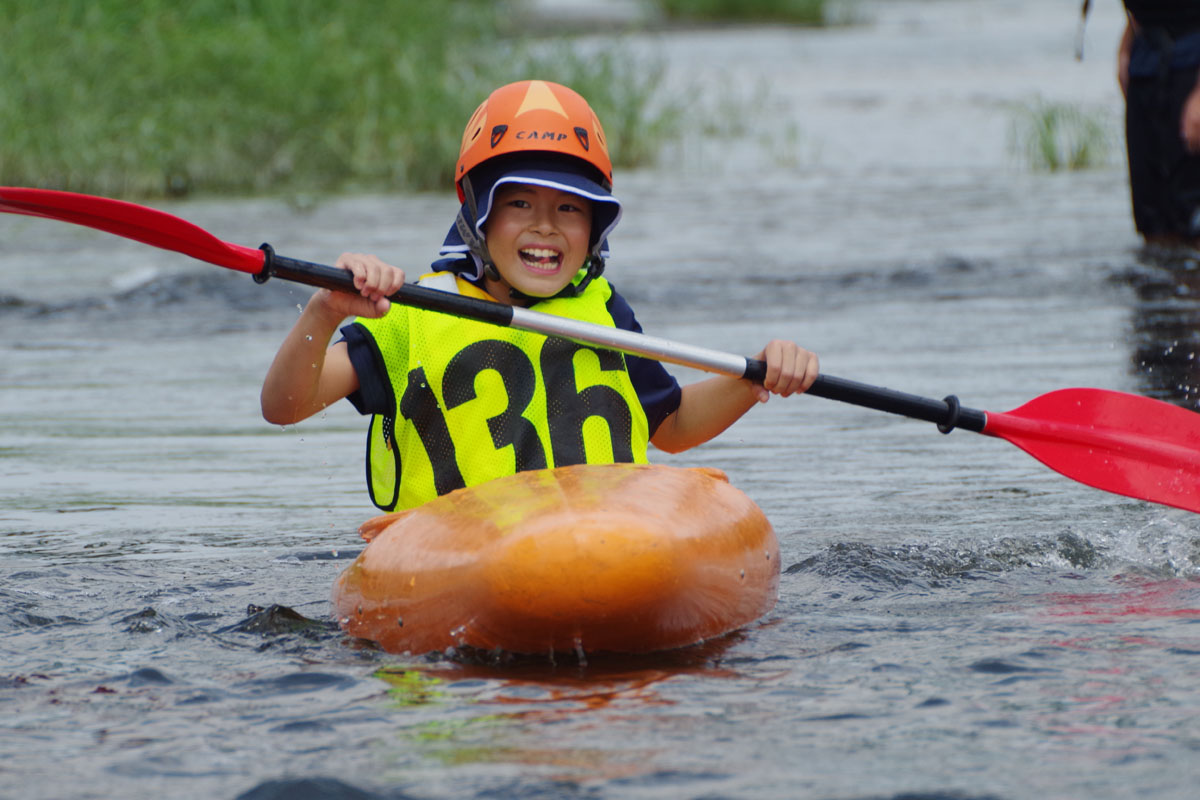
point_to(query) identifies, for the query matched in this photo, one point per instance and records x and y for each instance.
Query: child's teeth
(540, 256)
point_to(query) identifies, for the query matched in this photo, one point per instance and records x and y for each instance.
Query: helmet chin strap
(471, 237)
(594, 266)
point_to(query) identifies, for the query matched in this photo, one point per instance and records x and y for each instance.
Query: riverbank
(277, 97)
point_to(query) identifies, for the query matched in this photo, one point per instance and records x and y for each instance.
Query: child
(457, 402)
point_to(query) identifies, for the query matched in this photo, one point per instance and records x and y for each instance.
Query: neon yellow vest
(475, 401)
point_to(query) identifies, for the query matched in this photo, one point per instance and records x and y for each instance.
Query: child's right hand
(375, 281)
(790, 370)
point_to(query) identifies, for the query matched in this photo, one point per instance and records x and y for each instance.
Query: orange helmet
(533, 116)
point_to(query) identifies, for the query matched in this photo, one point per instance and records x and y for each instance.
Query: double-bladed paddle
(1118, 442)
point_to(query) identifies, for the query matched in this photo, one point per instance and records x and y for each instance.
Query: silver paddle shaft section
(631, 343)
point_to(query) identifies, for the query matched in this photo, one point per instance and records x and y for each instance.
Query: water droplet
(308, 337)
(579, 652)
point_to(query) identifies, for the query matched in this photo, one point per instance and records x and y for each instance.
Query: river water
(954, 621)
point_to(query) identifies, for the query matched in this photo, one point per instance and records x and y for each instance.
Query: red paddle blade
(1122, 443)
(132, 221)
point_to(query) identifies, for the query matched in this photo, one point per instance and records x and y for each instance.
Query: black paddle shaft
(947, 414)
(327, 277)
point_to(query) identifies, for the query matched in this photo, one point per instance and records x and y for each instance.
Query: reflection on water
(1165, 345)
(502, 698)
(1137, 596)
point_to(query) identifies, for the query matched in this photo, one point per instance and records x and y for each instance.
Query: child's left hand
(790, 370)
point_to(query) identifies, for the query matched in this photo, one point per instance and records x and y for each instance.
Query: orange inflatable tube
(626, 558)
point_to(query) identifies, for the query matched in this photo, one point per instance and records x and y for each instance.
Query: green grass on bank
(150, 97)
(796, 12)
(1049, 137)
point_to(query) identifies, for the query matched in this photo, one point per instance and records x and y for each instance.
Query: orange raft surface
(627, 558)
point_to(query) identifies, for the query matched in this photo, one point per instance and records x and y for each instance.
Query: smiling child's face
(538, 239)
